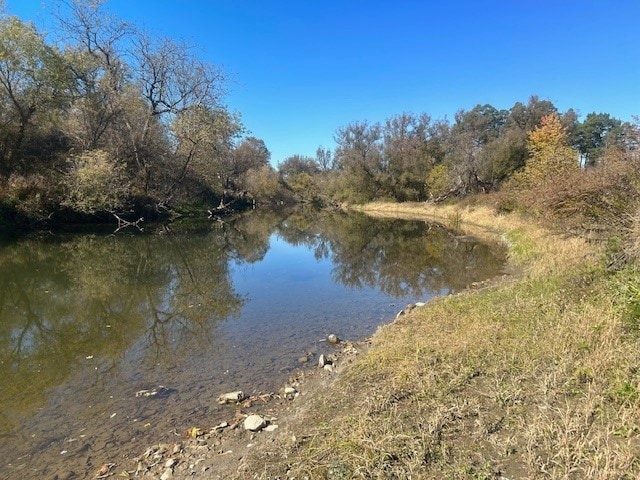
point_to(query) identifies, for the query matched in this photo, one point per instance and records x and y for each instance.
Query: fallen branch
(122, 223)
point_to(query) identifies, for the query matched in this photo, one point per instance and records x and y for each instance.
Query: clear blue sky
(301, 69)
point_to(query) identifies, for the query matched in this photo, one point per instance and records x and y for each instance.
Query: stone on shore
(322, 361)
(168, 473)
(333, 338)
(254, 423)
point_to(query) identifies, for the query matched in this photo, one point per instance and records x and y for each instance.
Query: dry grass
(536, 378)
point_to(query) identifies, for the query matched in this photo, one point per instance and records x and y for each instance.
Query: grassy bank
(534, 377)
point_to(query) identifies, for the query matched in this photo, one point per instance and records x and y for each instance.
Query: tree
(508, 153)
(405, 154)
(359, 158)
(296, 164)
(33, 80)
(250, 153)
(203, 138)
(138, 88)
(550, 156)
(527, 117)
(300, 174)
(596, 134)
(263, 184)
(324, 159)
(469, 165)
(96, 46)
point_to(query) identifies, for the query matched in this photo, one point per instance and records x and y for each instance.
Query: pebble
(333, 338)
(221, 426)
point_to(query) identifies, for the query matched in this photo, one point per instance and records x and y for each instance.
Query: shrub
(95, 182)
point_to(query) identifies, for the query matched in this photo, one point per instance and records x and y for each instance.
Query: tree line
(102, 118)
(413, 157)
(106, 118)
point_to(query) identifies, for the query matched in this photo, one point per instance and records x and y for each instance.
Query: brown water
(87, 320)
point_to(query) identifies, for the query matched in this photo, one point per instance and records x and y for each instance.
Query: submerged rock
(231, 397)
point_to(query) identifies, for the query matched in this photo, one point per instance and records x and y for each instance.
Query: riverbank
(535, 376)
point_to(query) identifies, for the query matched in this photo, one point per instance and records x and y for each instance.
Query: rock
(333, 338)
(322, 361)
(271, 428)
(405, 310)
(420, 304)
(304, 359)
(254, 423)
(289, 391)
(167, 474)
(170, 463)
(231, 397)
(328, 367)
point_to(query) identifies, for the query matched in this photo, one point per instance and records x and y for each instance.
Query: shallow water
(87, 320)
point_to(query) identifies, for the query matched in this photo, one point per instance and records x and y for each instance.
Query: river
(199, 308)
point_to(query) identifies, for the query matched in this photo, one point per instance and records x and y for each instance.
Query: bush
(95, 182)
(30, 196)
(438, 182)
(601, 199)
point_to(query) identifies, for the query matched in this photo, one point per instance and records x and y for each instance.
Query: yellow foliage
(438, 182)
(551, 157)
(95, 182)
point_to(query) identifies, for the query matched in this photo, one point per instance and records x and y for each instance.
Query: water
(87, 320)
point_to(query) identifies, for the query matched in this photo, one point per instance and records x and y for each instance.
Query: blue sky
(301, 69)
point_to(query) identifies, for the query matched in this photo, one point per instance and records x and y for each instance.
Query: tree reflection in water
(400, 257)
